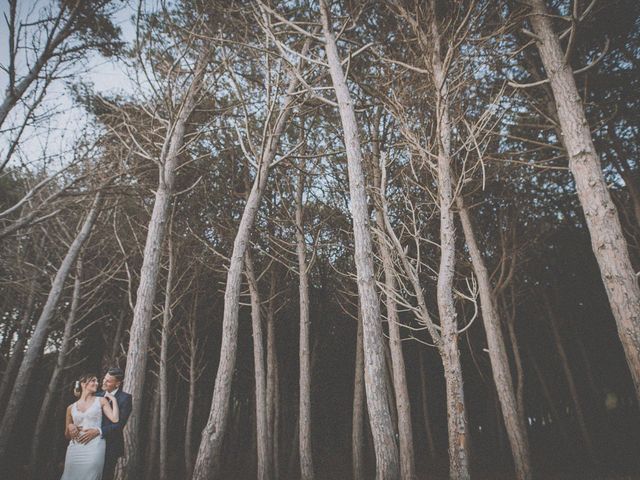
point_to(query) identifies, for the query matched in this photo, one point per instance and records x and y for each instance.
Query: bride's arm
(70, 430)
(111, 409)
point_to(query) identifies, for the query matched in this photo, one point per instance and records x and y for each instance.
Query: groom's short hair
(117, 373)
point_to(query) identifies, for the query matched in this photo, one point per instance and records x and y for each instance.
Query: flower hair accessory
(77, 384)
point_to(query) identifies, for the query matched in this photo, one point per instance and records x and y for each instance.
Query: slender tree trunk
(153, 447)
(456, 411)
(425, 408)
(601, 215)
(41, 332)
(163, 380)
(513, 418)
(568, 374)
(262, 440)
(140, 326)
(272, 375)
(117, 339)
(357, 423)
(517, 357)
(403, 405)
(193, 378)
(54, 382)
(210, 451)
(306, 451)
(18, 349)
(387, 464)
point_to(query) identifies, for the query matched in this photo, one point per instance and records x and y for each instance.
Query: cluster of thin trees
(395, 164)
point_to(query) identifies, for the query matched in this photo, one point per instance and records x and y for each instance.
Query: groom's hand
(88, 435)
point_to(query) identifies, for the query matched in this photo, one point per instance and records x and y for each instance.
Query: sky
(106, 75)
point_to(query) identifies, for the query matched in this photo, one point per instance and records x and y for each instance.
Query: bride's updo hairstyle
(77, 385)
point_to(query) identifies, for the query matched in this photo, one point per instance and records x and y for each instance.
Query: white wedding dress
(85, 462)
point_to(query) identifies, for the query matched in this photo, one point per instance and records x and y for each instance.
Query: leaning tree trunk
(403, 406)
(513, 418)
(357, 423)
(264, 460)
(210, 451)
(456, 410)
(163, 380)
(41, 332)
(607, 239)
(54, 382)
(143, 311)
(387, 464)
(306, 452)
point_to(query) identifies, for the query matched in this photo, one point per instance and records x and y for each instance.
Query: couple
(94, 427)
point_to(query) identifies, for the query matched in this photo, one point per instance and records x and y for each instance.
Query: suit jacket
(112, 432)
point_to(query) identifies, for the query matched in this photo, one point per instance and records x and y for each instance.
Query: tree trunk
(517, 357)
(403, 405)
(456, 411)
(262, 440)
(163, 380)
(210, 451)
(306, 451)
(39, 337)
(153, 447)
(117, 339)
(142, 313)
(425, 408)
(601, 215)
(357, 423)
(387, 464)
(272, 376)
(193, 378)
(54, 382)
(513, 418)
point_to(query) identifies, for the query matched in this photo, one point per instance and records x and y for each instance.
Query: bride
(84, 461)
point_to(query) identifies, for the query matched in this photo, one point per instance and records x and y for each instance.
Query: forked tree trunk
(306, 450)
(513, 418)
(456, 410)
(607, 239)
(142, 314)
(54, 382)
(262, 439)
(41, 332)
(163, 377)
(210, 451)
(403, 406)
(357, 415)
(387, 463)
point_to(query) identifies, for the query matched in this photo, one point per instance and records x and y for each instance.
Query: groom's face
(110, 383)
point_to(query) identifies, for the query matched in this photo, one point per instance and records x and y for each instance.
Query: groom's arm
(125, 411)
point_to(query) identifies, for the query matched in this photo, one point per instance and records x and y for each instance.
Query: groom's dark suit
(112, 433)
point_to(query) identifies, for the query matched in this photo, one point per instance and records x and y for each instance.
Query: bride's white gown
(85, 462)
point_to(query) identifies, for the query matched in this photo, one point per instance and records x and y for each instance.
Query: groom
(112, 432)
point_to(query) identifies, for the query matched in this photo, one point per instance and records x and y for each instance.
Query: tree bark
(210, 451)
(39, 337)
(262, 440)
(425, 408)
(163, 380)
(357, 423)
(456, 410)
(153, 447)
(306, 451)
(140, 326)
(403, 405)
(54, 382)
(607, 240)
(513, 418)
(272, 376)
(387, 464)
